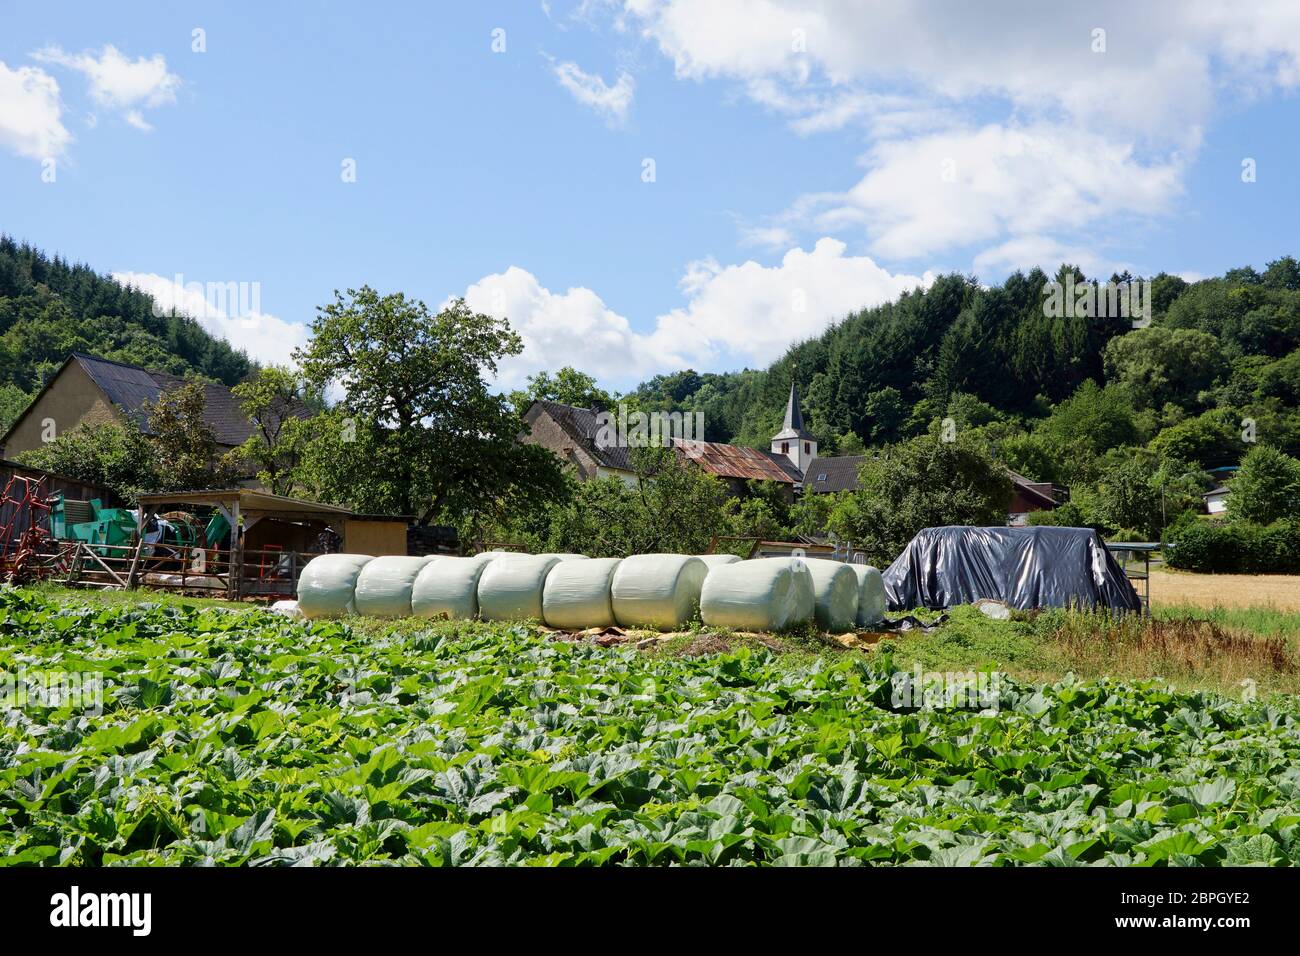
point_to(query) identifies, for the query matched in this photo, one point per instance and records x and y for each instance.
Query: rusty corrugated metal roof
(736, 461)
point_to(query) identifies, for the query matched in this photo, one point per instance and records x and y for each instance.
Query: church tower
(793, 440)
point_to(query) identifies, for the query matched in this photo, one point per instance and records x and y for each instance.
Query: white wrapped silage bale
(871, 595)
(327, 583)
(766, 594)
(448, 586)
(564, 556)
(835, 588)
(576, 594)
(660, 591)
(718, 560)
(384, 585)
(510, 587)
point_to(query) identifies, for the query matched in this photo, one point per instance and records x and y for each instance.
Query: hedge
(1236, 547)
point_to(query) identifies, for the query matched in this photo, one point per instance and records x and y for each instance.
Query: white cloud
(767, 237)
(118, 82)
(1161, 55)
(574, 327)
(1049, 134)
(226, 310)
(591, 90)
(751, 313)
(31, 122)
(943, 191)
(1029, 251)
(736, 314)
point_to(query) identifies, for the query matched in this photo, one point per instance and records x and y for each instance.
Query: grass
(1190, 647)
(57, 592)
(1181, 588)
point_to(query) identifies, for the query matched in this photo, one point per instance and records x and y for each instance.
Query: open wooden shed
(266, 540)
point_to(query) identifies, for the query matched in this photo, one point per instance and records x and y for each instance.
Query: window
(785, 448)
(807, 448)
(822, 476)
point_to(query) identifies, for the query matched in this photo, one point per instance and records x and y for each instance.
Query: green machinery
(91, 522)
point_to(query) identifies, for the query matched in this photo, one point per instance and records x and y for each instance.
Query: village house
(576, 436)
(89, 390)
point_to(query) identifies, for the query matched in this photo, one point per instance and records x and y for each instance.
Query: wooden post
(135, 562)
(236, 565)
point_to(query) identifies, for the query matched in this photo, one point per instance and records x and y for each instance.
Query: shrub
(1267, 486)
(1239, 547)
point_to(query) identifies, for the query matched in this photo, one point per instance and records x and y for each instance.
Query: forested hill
(49, 308)
(1218, 351)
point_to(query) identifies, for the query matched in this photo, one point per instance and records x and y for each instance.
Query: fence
(267, 573)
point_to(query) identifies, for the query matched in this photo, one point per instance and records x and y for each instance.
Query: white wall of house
(1217, 504)
(629, 478)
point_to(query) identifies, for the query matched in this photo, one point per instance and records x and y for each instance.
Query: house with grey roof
(578, 436)
(87, 389)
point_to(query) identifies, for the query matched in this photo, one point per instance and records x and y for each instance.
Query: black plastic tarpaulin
(1024, 567)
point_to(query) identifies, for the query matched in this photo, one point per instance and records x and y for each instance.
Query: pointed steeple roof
(792, 427)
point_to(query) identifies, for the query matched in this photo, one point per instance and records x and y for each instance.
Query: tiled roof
(130, 387)
(829, 475)
(584, 428)
(737, 461)
(1033, 489)
(729, 461)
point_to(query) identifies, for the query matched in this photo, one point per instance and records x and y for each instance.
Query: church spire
(792, 426)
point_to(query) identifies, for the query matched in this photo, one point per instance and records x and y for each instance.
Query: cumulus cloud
(31, 122)
(1085, 110)
(935, 193)
(118, 82)
(574, 327)
(738, 314)
(227, 310)
(591, 90)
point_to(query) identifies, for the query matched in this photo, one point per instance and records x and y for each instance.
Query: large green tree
(568, 386)
(183, 444)
(672, 506)
(417, 430)
(918, 484)
(1162, 365)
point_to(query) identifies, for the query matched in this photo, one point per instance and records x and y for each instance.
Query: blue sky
(810, 156)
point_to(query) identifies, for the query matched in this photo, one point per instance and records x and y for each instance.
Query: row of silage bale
(660, 591)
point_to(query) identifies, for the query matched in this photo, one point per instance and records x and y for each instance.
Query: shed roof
(249, 501)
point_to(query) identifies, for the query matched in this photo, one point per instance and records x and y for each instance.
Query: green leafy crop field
(239, 737)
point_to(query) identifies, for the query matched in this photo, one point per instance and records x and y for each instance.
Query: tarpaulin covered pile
(1024, 567)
